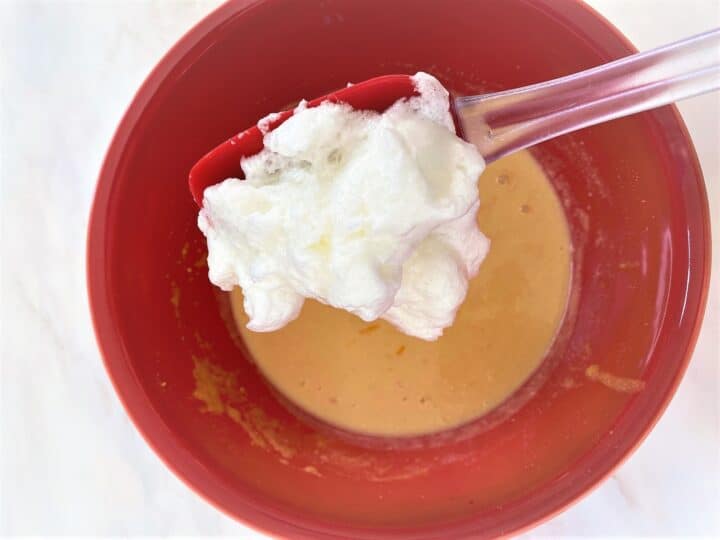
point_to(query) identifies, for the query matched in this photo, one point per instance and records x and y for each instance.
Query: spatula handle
(507, 121)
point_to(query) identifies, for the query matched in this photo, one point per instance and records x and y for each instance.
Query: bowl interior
(633, 196)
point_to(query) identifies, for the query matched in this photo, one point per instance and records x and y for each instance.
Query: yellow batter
(370, 378)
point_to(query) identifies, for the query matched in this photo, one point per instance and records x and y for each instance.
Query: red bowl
(635, 200)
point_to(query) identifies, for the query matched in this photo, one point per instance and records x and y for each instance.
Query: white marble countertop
(71, 462)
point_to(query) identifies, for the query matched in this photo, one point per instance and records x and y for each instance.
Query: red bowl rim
(175, 454)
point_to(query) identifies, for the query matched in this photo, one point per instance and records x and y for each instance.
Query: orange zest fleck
(626, 385)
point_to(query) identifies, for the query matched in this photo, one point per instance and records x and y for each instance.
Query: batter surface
(371, 378)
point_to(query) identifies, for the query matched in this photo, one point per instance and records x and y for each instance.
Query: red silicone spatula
(504, 122)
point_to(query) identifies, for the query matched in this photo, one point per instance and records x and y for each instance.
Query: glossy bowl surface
(635, 200)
